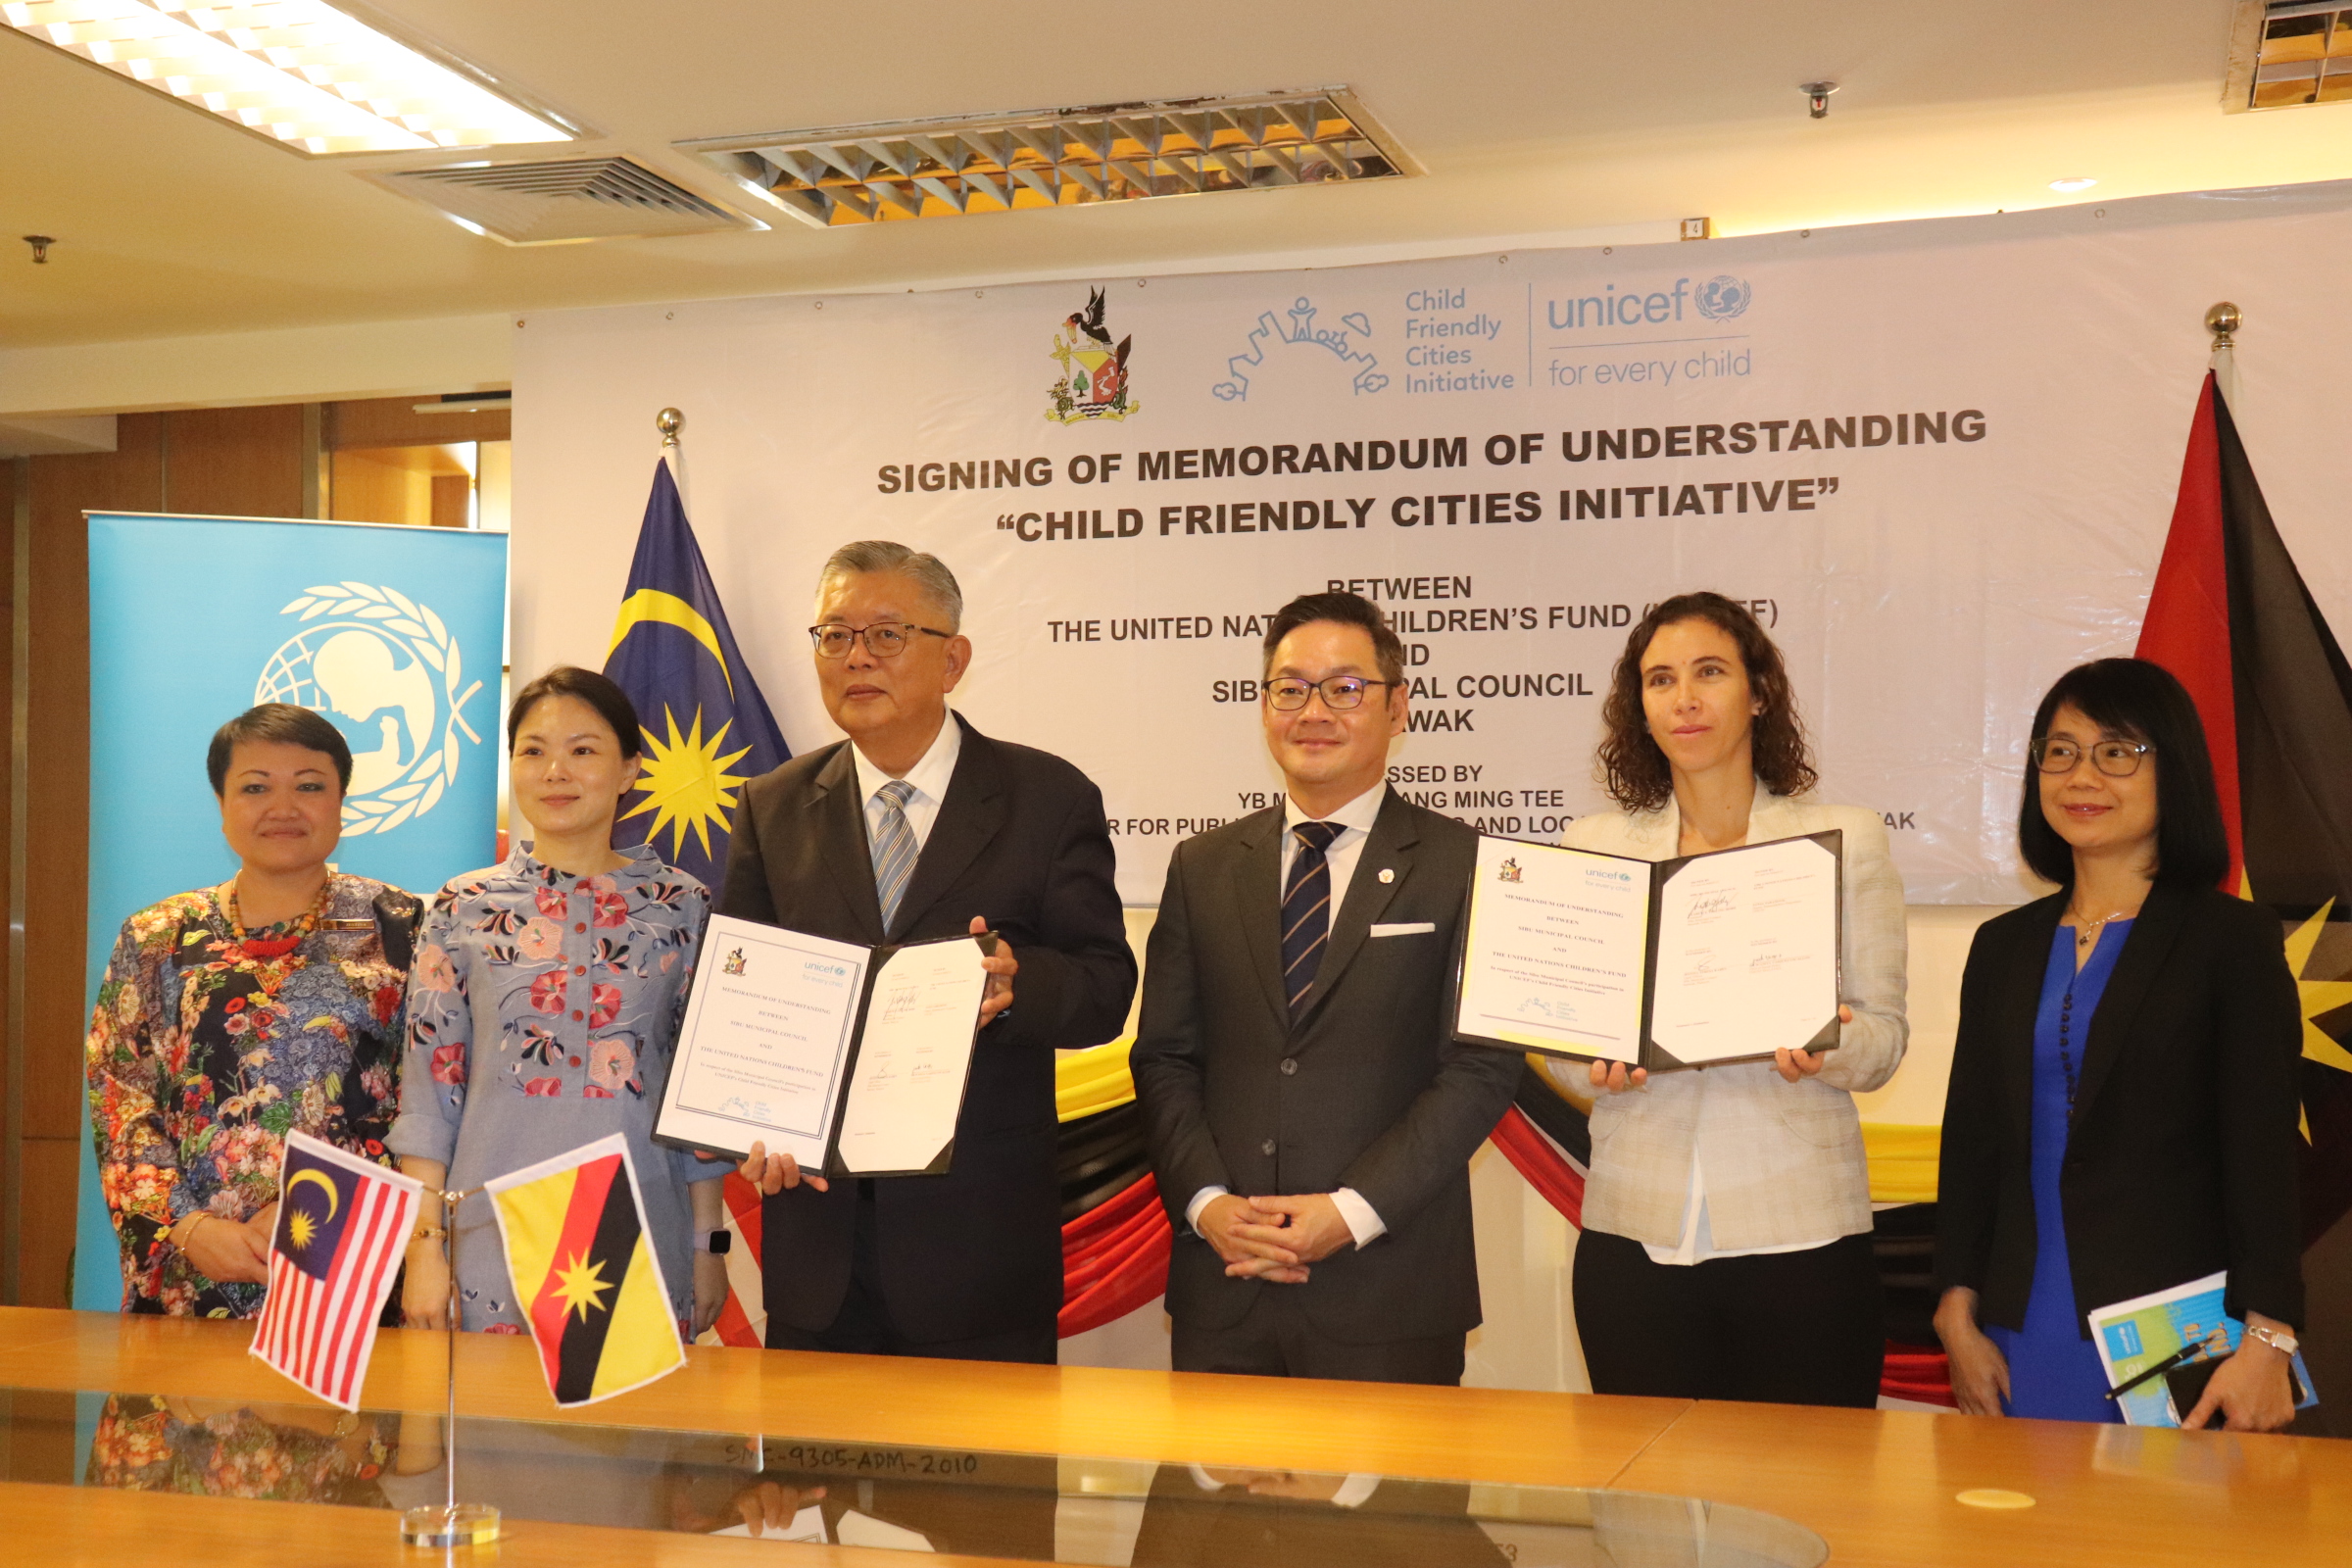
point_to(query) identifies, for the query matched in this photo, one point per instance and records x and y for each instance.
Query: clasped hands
(1274, 1238)
(229, 1249)
(774, 1173)
(1793, 1065)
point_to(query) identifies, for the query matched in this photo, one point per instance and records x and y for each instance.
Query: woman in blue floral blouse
(230, 1015)
(543, 1006)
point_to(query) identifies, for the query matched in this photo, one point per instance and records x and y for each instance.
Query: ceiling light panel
(2283, 56)
(298, 71)
(1061, 157)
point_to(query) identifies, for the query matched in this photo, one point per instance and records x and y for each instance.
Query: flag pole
(2223, 321)
(669, 421)
(473, 1524)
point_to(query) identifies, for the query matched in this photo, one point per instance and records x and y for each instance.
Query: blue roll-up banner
(395, 634)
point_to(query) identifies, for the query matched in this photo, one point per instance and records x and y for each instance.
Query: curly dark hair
(1630, 766)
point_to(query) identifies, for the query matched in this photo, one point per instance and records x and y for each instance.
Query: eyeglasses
(1339, 692)
(2115, 758)
(883, 640)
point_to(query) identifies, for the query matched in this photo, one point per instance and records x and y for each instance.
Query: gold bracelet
(426, 1234)
(195, 1219)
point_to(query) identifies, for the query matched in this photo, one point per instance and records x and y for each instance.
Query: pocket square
(1408, 928)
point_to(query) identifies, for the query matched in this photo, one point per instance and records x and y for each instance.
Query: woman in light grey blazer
(1726, 1251)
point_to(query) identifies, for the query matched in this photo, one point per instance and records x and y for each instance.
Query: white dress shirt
(1354, 822)
(929, 777)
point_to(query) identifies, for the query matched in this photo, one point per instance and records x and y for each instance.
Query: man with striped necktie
(1309, 1117)
(919, 826)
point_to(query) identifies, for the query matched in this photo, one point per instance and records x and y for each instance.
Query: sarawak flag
(2230, 617)
(342, 1225)
(585, 1275)
(707, 730)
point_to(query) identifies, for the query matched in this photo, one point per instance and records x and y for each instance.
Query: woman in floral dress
(543, 1006)
(232, 1016)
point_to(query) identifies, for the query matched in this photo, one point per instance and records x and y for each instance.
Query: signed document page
(908, 1084)
(767, 1032)
(1747, 951)
(1555, 950)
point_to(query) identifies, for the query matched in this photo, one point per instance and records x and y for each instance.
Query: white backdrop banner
(1938, 458)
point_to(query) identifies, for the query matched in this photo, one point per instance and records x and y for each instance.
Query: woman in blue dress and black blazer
(2122, 1111)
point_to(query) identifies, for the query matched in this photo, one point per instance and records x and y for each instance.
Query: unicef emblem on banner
(1721, 298)
(384, 670)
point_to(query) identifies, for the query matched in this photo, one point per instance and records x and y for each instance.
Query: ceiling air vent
(1061, 156)
(559, 201)
(2286, 55)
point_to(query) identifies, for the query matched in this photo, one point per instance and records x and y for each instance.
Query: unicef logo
(385, 671)
(1721, 298)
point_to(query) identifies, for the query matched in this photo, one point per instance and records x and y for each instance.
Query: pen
(2187, 1353)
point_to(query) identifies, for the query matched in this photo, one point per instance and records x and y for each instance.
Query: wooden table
(1880, 1487)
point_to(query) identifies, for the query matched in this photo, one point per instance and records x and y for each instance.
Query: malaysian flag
(342, 1225)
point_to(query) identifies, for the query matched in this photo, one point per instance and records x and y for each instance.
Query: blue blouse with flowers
(543, 1009)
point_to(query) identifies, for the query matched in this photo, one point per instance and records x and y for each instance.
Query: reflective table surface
(1119, 1513)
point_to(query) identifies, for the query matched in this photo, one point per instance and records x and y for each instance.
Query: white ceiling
(1565, 119)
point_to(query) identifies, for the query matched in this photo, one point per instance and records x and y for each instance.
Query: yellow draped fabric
(1902, 1161)
(1086, 1081)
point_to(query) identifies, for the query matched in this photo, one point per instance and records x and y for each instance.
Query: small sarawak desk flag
(589, 1283)
(342, 1225)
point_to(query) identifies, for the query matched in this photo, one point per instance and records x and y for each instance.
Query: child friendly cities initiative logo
(387, 672)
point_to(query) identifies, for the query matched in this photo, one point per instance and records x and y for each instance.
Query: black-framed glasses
(2115, 758)
(1339, 692)
(884, 639)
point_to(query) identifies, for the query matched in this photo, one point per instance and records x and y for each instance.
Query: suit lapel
(1388, 847)
(971, 815)
(2146, 948)
(1256, 893)
(2019, 1004)
(840, 835)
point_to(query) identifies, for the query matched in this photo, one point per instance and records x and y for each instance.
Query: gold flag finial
(2221, 320)
(669, 421)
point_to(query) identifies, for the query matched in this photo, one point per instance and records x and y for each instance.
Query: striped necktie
(1307, 911)
(895, 849)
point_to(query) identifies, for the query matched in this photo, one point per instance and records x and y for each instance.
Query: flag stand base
(461, 1524)
(450, 1523)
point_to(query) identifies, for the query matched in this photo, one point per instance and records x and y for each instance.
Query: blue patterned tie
(895, 848)
(1307, 911)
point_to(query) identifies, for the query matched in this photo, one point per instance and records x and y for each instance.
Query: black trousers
(1784, 1327)
(1275, 1339)
(863, 1327)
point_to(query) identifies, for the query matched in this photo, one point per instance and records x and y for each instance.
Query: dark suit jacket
(1021, 839)
(1367, 1090)
(2181, 1159)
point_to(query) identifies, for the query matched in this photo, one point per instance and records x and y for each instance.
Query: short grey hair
(927, 571)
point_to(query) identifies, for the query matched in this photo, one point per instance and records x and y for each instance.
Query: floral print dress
(543, 1008)
(208, 1044)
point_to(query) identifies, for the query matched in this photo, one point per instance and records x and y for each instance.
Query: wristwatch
(716, 1242)
(2278, 1339)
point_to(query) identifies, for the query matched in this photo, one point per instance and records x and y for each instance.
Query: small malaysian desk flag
(342, 1225)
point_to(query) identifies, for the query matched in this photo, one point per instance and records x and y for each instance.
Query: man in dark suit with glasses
(1309, 1117)
(919, 826)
